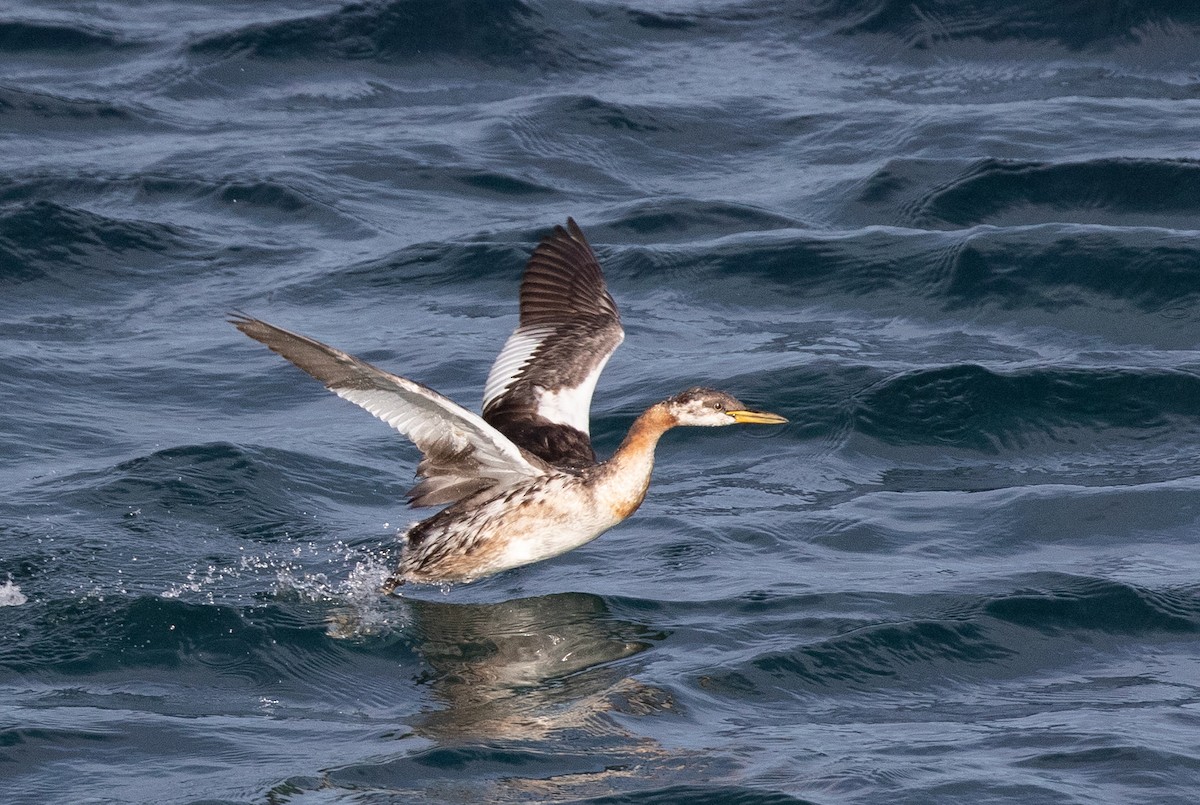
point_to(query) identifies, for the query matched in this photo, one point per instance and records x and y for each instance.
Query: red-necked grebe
(520, 483)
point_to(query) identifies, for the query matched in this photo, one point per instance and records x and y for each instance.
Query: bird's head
(712, 408)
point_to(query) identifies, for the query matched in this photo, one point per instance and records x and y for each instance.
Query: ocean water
(954, 242)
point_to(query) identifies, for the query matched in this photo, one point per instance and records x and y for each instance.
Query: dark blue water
(954, 242)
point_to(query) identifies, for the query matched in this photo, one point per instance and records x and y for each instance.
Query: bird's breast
(521, 526)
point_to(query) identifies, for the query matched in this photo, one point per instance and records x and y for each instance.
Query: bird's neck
(623, 479)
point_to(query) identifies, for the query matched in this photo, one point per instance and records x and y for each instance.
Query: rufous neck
(626, 476)
(646, 430)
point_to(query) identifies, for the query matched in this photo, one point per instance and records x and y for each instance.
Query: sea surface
(954, 242)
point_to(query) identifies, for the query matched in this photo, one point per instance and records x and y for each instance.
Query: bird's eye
(719, 406)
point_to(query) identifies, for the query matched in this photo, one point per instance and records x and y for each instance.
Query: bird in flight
(521, 483)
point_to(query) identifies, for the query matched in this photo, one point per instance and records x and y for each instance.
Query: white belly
(548, 527)
(513, 529)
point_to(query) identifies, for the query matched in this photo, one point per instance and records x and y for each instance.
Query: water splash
(11, 595)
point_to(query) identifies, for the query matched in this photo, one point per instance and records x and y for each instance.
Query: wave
(1077, 24)
(499, 257)
(1060, 604)
(423, 178)
(631, 148)
(20, 109)
(261, 645)
(698, 795)
(981, 635)
(260, 494)
(1116, 192)
(504, 32)
(668, 219)
(886, 650)
(975, 408)
(1112, 276)
(24, 37)
(1058, 269)
(269, 199)
(445, 264)
(1108, 278)
(43, 239)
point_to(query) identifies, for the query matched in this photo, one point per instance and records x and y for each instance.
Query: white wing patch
(515, 356)
(570, 405)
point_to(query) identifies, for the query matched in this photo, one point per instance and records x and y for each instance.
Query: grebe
(520, 483)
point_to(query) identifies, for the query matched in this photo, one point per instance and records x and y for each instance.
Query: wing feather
(463, 454)
(539, 390)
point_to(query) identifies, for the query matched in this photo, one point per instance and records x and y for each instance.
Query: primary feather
(463, 454)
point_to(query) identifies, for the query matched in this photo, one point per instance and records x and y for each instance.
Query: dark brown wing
(539, 391)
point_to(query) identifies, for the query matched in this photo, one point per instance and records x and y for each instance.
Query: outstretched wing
(539, 391)
(462, 453)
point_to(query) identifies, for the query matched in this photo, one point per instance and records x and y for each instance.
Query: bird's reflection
(525, 668)
(530, 686)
